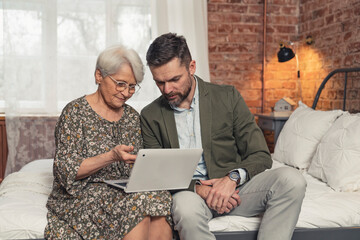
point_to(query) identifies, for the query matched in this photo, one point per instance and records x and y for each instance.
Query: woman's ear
(98, 77)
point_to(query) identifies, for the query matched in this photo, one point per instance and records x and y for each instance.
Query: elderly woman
(97, 137)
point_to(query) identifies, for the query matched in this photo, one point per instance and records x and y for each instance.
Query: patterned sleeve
(134, 138)
(137, 140)
(69, 152)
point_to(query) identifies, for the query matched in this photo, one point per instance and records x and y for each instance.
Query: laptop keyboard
(122, 184)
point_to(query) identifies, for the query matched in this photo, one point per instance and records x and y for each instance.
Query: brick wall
(236, 49)
(335, 27)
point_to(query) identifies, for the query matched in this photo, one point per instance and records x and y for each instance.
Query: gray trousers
(277, 193)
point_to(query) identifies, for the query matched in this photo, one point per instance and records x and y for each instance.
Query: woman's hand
(122, 153)
(91, 165)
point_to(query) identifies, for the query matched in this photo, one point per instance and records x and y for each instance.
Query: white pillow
(39, 165)
(337, 158)
(301, 134)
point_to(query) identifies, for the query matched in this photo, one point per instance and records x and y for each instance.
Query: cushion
(301, 134)
(337, 158)
(39, 165)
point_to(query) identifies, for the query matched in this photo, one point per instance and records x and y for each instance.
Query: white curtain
(187, 18)
(48, 53)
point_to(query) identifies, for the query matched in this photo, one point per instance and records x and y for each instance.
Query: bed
(331, 208)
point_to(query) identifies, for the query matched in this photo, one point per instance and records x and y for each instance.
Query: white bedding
(23, 196)
(322, 208)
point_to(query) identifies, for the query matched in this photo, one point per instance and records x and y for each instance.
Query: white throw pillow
(301, 134)
(337, 158)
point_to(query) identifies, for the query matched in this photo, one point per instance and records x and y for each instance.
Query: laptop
(160, 169)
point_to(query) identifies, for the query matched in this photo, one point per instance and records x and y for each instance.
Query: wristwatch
(235, 176)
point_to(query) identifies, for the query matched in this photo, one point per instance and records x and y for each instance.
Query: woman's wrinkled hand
(122, 153)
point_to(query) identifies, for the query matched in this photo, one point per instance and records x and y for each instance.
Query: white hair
(110, 60)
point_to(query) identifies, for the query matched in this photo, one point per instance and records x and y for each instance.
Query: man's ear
(192, 67)
(98, 77)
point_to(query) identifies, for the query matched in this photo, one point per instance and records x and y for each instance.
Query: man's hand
(222, 196)
(203, 191)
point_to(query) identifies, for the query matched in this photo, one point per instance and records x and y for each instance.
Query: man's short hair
(167, 47)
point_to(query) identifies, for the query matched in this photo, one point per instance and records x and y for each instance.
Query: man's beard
(176, 102)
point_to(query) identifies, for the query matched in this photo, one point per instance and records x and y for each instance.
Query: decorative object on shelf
(285, 104)
(283, 108)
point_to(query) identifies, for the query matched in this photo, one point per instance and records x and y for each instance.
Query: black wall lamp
(286, 54)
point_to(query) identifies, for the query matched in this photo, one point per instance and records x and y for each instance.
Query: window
(48, 48)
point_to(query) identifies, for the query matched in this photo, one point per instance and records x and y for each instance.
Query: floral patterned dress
(89, 208)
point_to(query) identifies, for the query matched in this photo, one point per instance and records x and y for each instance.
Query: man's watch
(235, 176)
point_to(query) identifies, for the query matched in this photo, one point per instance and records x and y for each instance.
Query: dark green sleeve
(249, 139)
(149, 130)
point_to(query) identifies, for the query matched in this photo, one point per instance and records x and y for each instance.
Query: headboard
(340, 70)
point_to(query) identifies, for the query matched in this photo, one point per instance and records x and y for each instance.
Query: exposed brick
(217, 1)
(289, 85)
(347, 36)
(244, 38)
(252, 19)
(289, 10)
(274, 9)
(236, 51)
(235, 8)
(319, 13)
(256, 9)
(329, 19)
(212, 7)
(247, 28)
(354, 47)
(289, 20)
(215, 17)
(233, 17)
(273, 84)
(285, 29)
(225, 28)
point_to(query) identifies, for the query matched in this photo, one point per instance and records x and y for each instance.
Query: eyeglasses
(121, 86)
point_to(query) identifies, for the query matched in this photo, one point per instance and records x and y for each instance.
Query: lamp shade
(285, 54)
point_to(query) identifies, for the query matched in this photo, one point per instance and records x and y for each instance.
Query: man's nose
(167, 88)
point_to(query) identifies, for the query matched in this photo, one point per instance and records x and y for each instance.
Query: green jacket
(230, 136)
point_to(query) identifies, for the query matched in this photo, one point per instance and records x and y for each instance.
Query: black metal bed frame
(341, 233)
(321, 87)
